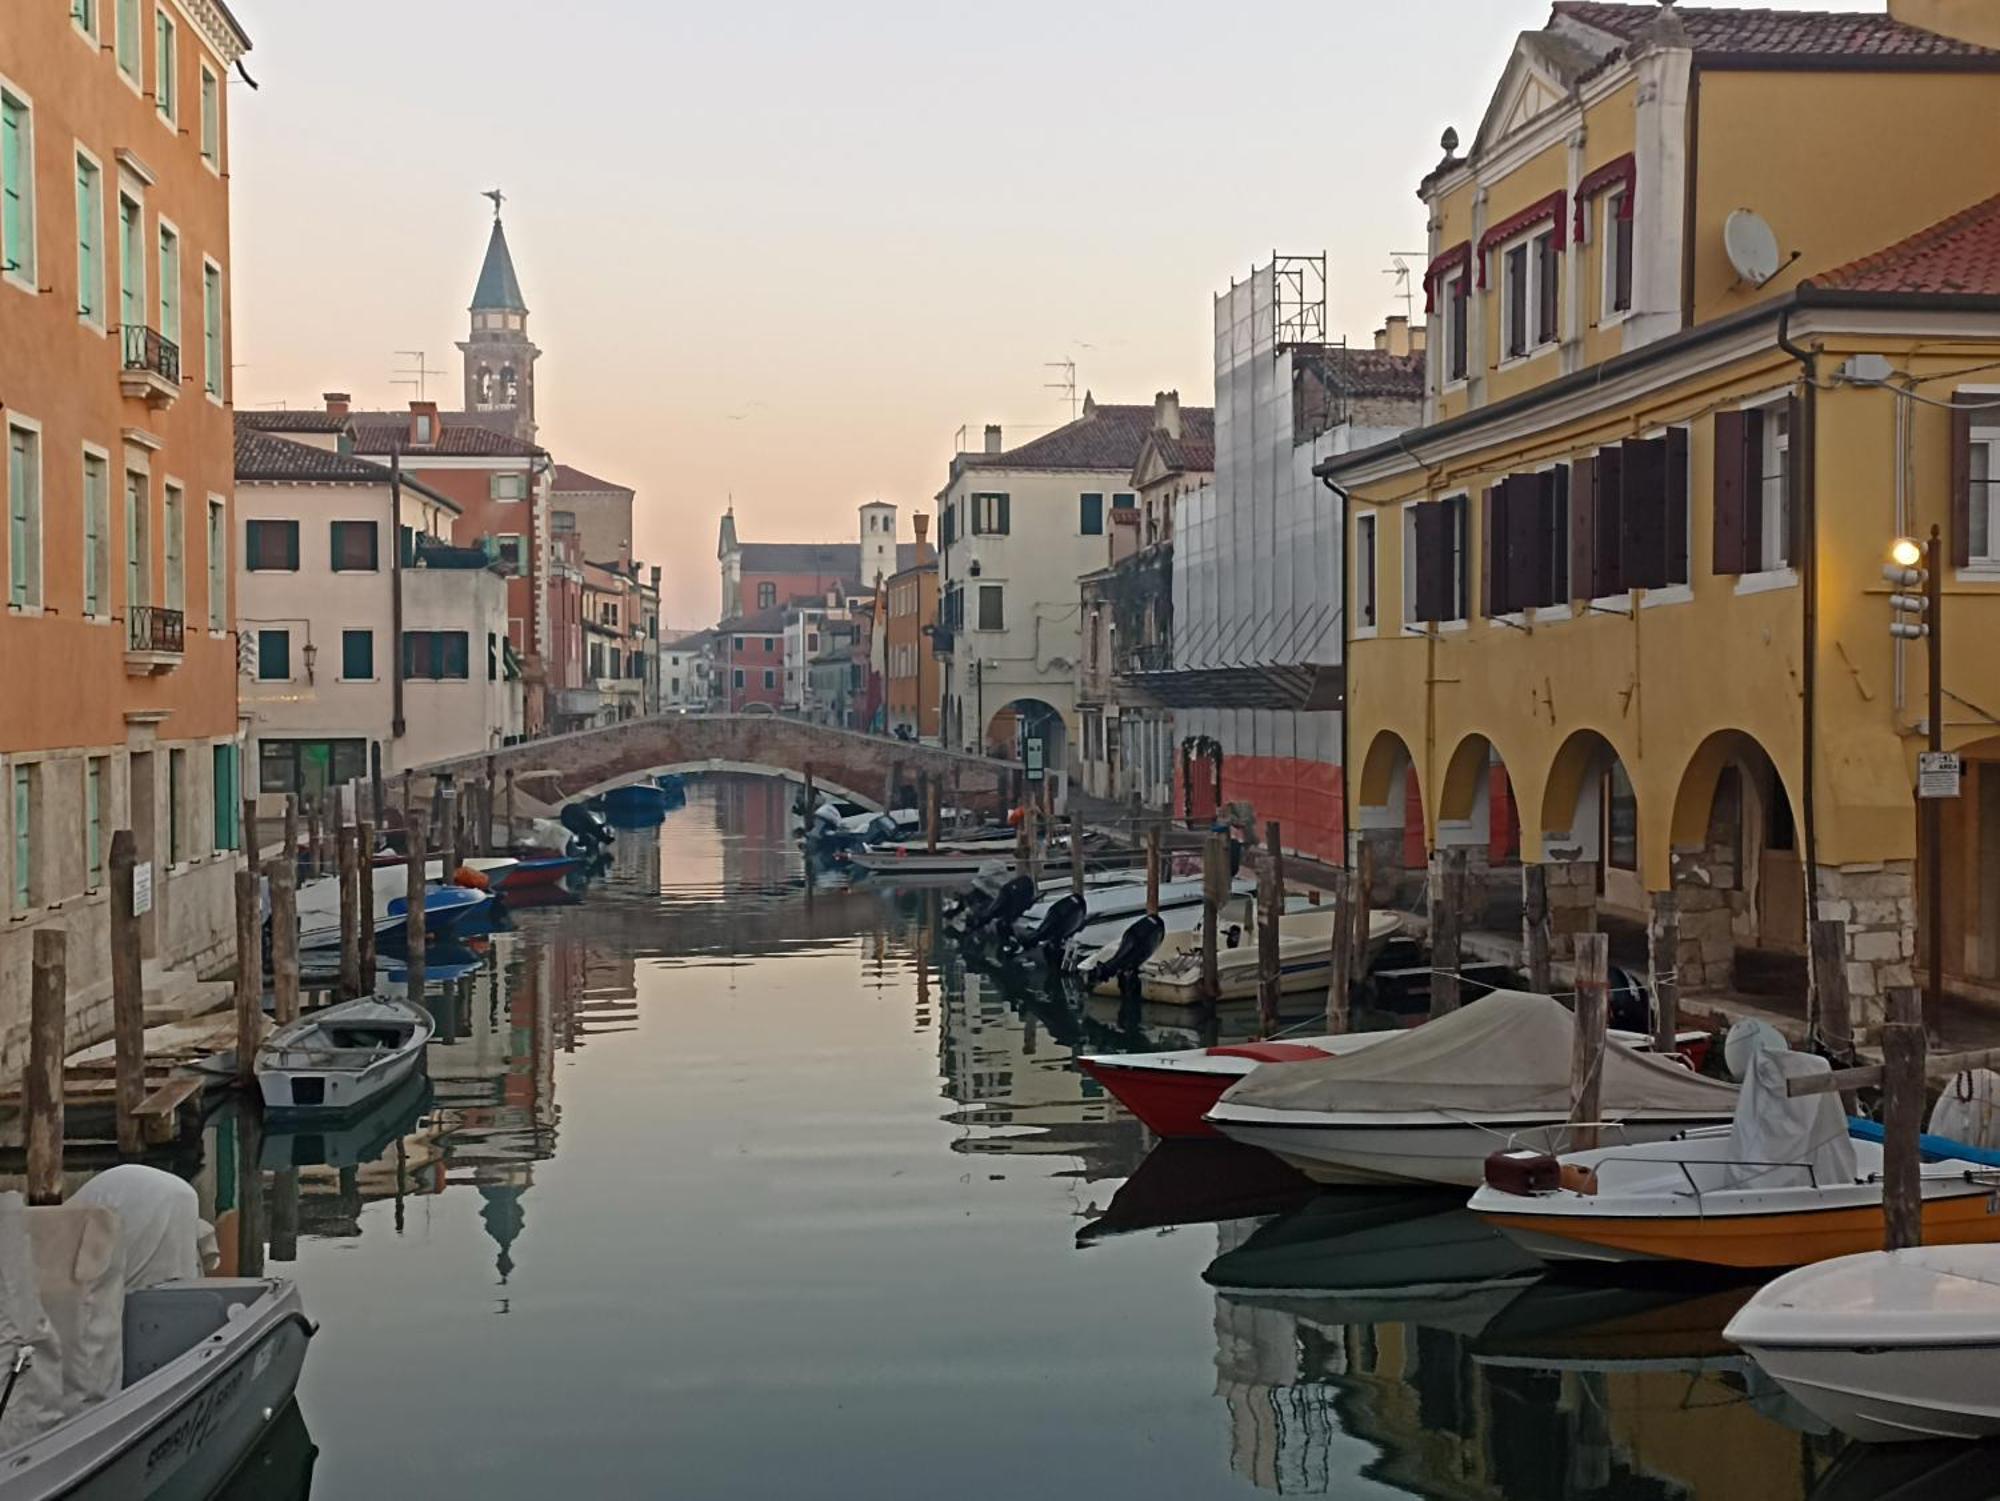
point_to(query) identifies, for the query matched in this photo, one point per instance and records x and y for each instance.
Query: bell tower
(499, 356)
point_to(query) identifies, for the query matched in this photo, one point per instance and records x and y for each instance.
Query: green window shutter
(228, 814)
(24, 845)
(357, 654)
(1090, 520)
(89, 243)
(211, 317)
(274, 655)
(17, 228)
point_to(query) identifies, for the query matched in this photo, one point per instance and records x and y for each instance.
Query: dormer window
(426, 429)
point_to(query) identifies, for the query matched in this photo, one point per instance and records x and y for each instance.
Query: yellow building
(1716, 301)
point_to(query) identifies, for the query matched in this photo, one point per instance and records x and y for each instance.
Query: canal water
(725, 1185)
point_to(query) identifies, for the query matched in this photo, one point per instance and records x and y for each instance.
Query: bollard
(249, 978)
(364, 904)
(283, 876)
(1447, 901)
(1903, 1093)
(42, 1085)
(1586, 1069)
(1340, 975)
(1663, 943)
(1270, 905)
(1535, 931)
(413, 915)
(128, 1000)
(350, 913)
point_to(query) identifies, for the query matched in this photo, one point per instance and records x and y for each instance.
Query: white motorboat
(340, 1058)
(1118, 899)
(1172, 976)
(444, 905)
(1431, 1106)
(1887, 1346)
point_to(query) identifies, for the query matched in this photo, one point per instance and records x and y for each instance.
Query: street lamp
(1914, 567)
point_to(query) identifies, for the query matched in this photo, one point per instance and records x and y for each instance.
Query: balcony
(152, 368)
(156, 640)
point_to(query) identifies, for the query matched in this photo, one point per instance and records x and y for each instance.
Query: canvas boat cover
(1508, 1052)
(1969, 1109)
(1782, 1142)
(37, 1400)
(162, 1236)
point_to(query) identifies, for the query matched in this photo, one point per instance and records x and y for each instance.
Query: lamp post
(1919, 617)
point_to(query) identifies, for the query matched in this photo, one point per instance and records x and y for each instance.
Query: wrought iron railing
(155, 628)
(148, 349)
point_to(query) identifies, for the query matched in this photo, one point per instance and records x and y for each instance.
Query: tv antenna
(1067, 385)
(1399, 268)
(419, 377)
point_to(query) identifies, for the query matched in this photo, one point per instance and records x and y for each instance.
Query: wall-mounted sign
(142, 888)
(1937, 774)
(1032, 751)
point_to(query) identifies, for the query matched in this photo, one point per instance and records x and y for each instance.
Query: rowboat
(1172, 977)
(1887, 1346)
(1785, 1184)
(343, 1057)
(1432, 1106)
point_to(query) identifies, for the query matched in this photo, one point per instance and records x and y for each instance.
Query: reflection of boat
(280, 1467)
(1888, 1346)
(1172, 976)
(1937, 1471)
(447, 960)
(1199, 1182)
(1431, 1107)
(1605, 1325)
(342, 1057)
(359, 1137)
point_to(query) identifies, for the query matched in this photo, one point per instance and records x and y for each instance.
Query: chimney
(1167, 413)
(337, 402)
(922, 525)
(1419, 337)
(1394, 335)
(993, 438)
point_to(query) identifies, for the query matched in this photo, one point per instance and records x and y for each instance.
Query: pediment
(1538, 80)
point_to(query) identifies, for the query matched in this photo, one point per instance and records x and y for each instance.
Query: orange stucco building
(911, 676)
(117, 653)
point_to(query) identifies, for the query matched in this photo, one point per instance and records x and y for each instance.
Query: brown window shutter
(1582, 528)
(1961, 478)
(1735, 432)
(1675, 510)
(1492, 506)
(1427, 535)
(1609, 574)
(1553, 539)
(1527, 579)
(1642, 513)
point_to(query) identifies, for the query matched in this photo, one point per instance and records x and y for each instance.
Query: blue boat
(674, 785)
(634, 800)
(447, 909)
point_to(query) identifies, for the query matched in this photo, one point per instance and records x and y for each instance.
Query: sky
(783, 253)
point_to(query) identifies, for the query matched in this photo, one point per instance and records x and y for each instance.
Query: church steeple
(499, 356)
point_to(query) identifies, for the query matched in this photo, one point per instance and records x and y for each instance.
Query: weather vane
(498, 198)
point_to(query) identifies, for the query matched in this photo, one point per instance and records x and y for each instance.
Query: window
(93, 822)
(138, 537)
(1774, 486)
(357, 656)
(770, 678)
(211, 118)
(24, 517)
(1530, 314)
(737, 675)
(1621, 819)
(89, 241)
(24, 837)
(84, 14)
(989, 515)
(1514, 307)
(227, 780)
(170, 285)
(1618, 251)
(309, 767)
(770, 643)
(1526, 548)
(17, 190)
(271, 546)
(992, 607)
(131, 262)
(274, 656)
(510, 486)
(1364, 573)
(127, 41)
(492, 657)
(1090, 522)
(175, 508)
(96, 535)
(218, 564)
(211, 329)
(812, 641)
(166, 66)
(356, 547)
(767, 596)
(1548, 285)
(1457, 322)
(177, 807)
(437, 655)
(736, 643)
(507, 552)
(1435, 574)
(426, 428)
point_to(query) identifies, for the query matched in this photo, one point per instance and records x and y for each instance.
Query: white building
(325, 584)
(1018, 528)
(687, 671)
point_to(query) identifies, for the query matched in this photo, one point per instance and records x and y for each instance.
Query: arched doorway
(1477, 813)
(1738, 870)
(1590, 814)
(1031, 732)
(1389, 817)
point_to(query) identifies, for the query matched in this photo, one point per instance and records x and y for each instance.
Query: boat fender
(1523, 1172)
(475, 880)
(1577, 1178)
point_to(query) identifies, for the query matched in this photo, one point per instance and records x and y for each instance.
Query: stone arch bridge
(560, 768)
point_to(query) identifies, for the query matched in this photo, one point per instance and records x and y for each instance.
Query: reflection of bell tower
(499, 357)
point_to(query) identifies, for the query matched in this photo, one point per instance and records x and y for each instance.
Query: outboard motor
(881, 829)
(1141, 941)
(1062, 922)
(1014, 898)
(585, 824)
(1630, 1002)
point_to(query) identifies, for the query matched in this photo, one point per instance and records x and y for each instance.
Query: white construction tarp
(1508, 1052)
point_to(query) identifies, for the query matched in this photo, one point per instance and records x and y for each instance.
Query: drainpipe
(396, 725)
(1346, 676)
(1803, 446)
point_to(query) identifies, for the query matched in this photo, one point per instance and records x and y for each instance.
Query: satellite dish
(1752, 248)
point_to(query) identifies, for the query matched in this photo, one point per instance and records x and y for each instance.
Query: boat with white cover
(135, 1378)
(342, 1057)
(1432, 1105)
(1887, 1346)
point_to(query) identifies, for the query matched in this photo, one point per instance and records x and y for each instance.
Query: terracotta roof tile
(1729, 31)
(1957, 255)
(306, 420)
(264, 456)
(571, 479)
(458, 437)
(1107, 437)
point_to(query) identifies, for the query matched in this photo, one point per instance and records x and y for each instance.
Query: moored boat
(1172, 976)
(343, 1057)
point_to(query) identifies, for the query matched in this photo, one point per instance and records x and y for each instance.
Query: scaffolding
(1299, 285)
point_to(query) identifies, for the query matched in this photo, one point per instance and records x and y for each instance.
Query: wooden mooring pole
(350, 912)
(42, 1087)
(1214, 882)
(413, 912)
(249, 978)
(283, 874)
(448, 835)
(1586, 1070)
(1364, 889)
(364, 902)
(511, 835)
(1270, 906)
(930, 785)
(1153, 871)
(292, 836)
(128, 1001)
(1663, 942)
(1829, 960)
(1903, 1091)
(1535, 927)
(1076, 855)
(1447, 905)
(1340, 968)
(312, 840)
